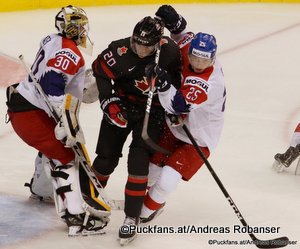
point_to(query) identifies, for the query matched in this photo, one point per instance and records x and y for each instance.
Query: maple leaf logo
(143, 85)
(122, 50)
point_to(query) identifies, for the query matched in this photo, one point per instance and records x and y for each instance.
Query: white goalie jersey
(59, 68)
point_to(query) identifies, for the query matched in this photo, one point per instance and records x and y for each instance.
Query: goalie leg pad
(41, 182)
(67, 189)
(79, 212)
(74, 191)
(93, 199)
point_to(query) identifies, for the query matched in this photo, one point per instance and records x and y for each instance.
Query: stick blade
(273, 243)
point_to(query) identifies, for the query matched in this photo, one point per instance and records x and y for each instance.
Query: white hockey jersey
(59, 68)
(204, 95)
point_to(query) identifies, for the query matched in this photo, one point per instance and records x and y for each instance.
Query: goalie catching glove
(90, 90)
(68, 129)
(114, 111)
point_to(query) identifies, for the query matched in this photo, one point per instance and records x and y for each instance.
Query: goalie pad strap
(63, 189)
(60, 174)
(64, 166)
(74, 191)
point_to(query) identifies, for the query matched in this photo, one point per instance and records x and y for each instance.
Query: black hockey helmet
(147, 32)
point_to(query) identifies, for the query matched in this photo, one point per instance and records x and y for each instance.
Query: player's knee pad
(105, 165)
(138, 161)
(295, 140)
(41, 182)
(166, 183)
(154, 173)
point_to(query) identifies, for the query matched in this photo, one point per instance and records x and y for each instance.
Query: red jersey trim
(107, 70)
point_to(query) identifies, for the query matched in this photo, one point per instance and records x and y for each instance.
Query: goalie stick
(273, 243)
(145, 135)
(79, 150)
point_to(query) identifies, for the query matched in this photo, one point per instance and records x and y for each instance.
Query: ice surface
(258, 45)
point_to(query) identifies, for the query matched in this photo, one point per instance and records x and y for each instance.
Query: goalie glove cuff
(68, 129)
(61, 134)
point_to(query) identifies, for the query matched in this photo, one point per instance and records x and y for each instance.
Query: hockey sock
(135, 191)
(149, 207)
(158, 193)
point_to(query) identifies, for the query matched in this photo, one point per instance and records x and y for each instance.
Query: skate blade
(155, 217)
(125, 242)
(76, 231)
(88, 233)
(47, 199)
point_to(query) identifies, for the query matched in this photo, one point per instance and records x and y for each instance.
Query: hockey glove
(174, 22)
(162, 81)
(149, 71)
(114, 111)
(174, 119)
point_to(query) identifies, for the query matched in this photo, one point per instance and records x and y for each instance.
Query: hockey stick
(79, 149)
(145, 135)
(273, 243)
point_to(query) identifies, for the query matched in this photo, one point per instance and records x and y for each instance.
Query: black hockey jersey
(119, 71)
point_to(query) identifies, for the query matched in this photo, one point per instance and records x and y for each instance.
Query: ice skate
(83, 224)
(127, 231)
(43, 197)
(47, 199)
(284, 160)
(146, 221)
